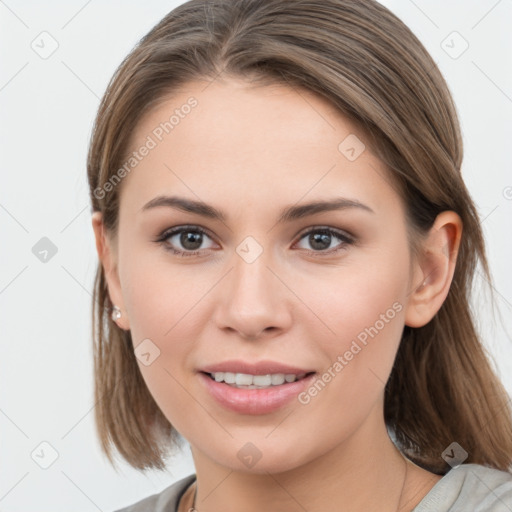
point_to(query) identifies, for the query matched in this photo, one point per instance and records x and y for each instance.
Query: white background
(47, 107)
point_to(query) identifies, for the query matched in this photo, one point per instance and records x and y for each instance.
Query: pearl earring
(116, 313)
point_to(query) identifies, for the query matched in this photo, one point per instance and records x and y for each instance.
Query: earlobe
(107, 257)
(433, 272)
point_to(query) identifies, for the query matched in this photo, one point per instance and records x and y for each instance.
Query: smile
(248, 381)
(254, 399)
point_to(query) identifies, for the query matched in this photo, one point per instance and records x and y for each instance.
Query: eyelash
(165, 235)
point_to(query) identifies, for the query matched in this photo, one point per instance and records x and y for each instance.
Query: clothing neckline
(186, 497)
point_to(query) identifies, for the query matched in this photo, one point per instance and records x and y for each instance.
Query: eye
(189, 240)
(321, 239)
(184, 240)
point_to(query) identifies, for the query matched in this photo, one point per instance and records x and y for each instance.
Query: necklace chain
(403, 484)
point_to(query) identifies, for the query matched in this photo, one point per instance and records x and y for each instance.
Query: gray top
(465, 488)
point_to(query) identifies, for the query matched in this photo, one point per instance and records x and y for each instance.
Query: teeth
(277, 379)
(242, 379)
(262, 380)
(245, 380)
(229, 378)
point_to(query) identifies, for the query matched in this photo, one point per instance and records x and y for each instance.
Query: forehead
(231, 139)
(254, 116)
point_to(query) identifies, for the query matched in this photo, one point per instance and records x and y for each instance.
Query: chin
(259, 457)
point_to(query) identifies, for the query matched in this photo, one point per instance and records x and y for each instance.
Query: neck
(364, 472)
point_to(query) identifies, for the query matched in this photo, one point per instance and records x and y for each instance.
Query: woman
(287, 250)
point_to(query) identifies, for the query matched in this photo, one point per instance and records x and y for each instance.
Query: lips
(247, 399)
(254, 401)
(259, 368)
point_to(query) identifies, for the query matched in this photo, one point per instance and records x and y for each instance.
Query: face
(319, 291)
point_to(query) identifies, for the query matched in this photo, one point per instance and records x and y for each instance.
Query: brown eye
(185, 240)
(190, 240)
(321, 240)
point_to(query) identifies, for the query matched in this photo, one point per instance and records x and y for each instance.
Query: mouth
(251, 381)
(255, 394)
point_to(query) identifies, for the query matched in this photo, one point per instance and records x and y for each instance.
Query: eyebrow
(288, 214)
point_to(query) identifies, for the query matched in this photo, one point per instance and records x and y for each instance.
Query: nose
(253, 301)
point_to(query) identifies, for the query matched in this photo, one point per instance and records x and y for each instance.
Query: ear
(108, 258)
(433, 272)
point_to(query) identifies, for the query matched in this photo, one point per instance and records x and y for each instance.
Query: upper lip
(259, 368)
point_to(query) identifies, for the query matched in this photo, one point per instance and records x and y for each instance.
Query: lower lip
(255, 401)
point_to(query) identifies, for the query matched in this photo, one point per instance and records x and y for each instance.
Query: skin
(251, 151)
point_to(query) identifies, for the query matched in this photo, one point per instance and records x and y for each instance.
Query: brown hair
(362, 58)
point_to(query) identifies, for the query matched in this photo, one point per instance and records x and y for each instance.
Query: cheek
(364, 306)
(355, 297)
(371, 315)
(166, 306)
(159, 295)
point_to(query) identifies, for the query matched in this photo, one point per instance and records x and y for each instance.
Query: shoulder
(470, 487)
(165, 501)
